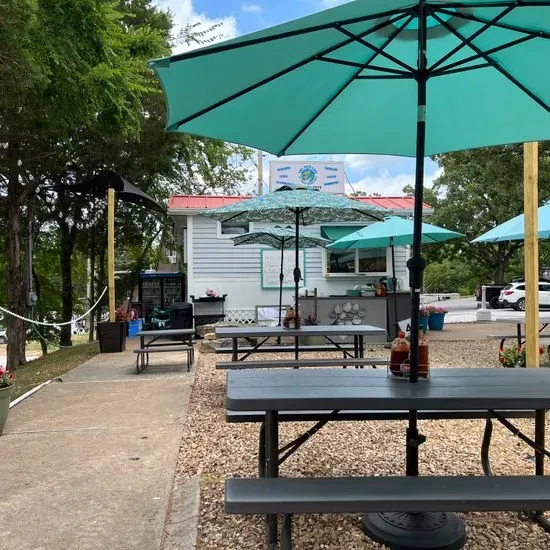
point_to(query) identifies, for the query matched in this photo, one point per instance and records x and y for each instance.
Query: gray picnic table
(518, 319)
(152, 344)
(329, 332)
(464, 389)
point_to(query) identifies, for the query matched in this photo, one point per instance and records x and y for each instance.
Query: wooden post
(531, 252)
(111, 252)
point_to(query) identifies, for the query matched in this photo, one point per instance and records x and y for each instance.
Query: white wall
(235, 270)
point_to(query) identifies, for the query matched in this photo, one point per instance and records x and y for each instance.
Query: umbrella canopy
(344, 80)
(302, 206)
(514, 229)
(393, 231)
(280, 237)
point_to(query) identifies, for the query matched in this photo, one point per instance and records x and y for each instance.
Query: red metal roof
(205, 202)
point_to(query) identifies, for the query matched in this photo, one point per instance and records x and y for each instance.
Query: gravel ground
(213, 449)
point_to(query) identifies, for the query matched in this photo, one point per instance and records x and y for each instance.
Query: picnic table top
(519, 318)
(166, 332)
(316, 330)
(446, 389)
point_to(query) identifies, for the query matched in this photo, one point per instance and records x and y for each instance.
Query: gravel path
(213, 449)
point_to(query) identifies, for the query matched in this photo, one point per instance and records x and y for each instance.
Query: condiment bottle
(290, 318)
(400, 349)
(423, 356)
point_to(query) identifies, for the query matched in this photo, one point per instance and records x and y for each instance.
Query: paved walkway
(89, 462)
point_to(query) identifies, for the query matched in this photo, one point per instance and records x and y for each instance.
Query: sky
(385, 175)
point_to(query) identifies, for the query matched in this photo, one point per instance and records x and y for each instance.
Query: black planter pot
(112, 336)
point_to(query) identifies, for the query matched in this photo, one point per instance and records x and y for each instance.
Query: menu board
(271, 267)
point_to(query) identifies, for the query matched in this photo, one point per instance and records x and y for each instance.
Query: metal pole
(297, 277)
(394, 283)
(281, 278)
(416, 264)
(272, 467)
(111, 252)
(531, 252)
(260, 173)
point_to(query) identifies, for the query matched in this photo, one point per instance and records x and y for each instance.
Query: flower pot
(5, 398)
(436, 321)
(112, 336)
(423, 323)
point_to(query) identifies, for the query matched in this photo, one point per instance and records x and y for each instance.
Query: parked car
(514, 294)
(492, 294)
(3, 336)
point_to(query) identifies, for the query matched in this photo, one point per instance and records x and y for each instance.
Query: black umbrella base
(424, 531)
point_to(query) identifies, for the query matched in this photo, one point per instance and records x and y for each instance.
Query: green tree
(478, 190)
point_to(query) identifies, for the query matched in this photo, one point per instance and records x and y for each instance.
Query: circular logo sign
(308, 174)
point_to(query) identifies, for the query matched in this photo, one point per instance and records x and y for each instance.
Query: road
(460, 310)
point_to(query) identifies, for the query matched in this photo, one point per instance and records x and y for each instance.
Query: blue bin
(134, 327)
(436, 321)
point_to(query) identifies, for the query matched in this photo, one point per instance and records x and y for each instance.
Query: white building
(248, 275)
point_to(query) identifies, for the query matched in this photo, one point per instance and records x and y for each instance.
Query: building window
(341, 261)
(355, 263)
(232, 228)
(372, 260)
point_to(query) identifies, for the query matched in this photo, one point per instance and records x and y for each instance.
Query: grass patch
(51, 366)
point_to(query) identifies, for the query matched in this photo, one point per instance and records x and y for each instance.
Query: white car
(514, 295)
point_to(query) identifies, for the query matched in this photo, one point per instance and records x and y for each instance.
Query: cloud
(388, 184)
(184, 12)
(247, 7)
(332, 3)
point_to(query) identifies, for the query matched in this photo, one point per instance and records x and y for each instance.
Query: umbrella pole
(297, 277)
(281, 278)
(394, 284)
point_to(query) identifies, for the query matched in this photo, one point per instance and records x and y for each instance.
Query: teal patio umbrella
(514, 229)
(397, 77)
(393, 231)
(297, 206)
(280, 238)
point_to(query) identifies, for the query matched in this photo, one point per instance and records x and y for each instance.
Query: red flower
(501, 359)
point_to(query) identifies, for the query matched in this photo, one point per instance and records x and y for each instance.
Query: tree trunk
(16, 328)
(92, 287)
(67, 247)
(499, 272)
(38, 290)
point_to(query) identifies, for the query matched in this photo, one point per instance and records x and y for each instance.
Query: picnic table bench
(291, 394)
(300, 363)
(154, 346)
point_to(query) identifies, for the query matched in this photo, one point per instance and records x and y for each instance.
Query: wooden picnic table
(348, 390)
(329, 332)
(152, 345)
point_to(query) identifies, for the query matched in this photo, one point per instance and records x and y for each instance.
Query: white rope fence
(55, 325)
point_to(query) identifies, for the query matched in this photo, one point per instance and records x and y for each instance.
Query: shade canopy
(288, 205)
(344, 80)
(514, 229)
(393, 231)
(280, 238)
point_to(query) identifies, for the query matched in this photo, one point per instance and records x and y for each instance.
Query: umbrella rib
(496, 49)
(496, 65)
(506, 26)
(471, 37)
(285, 71)
(462, 69)
(289, 34)
(362, 66)
(379, 51)
(336, 95)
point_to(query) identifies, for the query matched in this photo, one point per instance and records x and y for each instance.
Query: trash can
(181, 315)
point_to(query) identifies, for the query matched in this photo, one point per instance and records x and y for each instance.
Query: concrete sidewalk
(89, 462)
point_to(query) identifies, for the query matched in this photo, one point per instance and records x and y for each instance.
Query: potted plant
(112, 335)
(436, 317)
(7, 381)
(514, 357)
(424, 315)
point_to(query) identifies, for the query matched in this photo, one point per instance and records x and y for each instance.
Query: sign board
(322, 176)
(271, 267)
